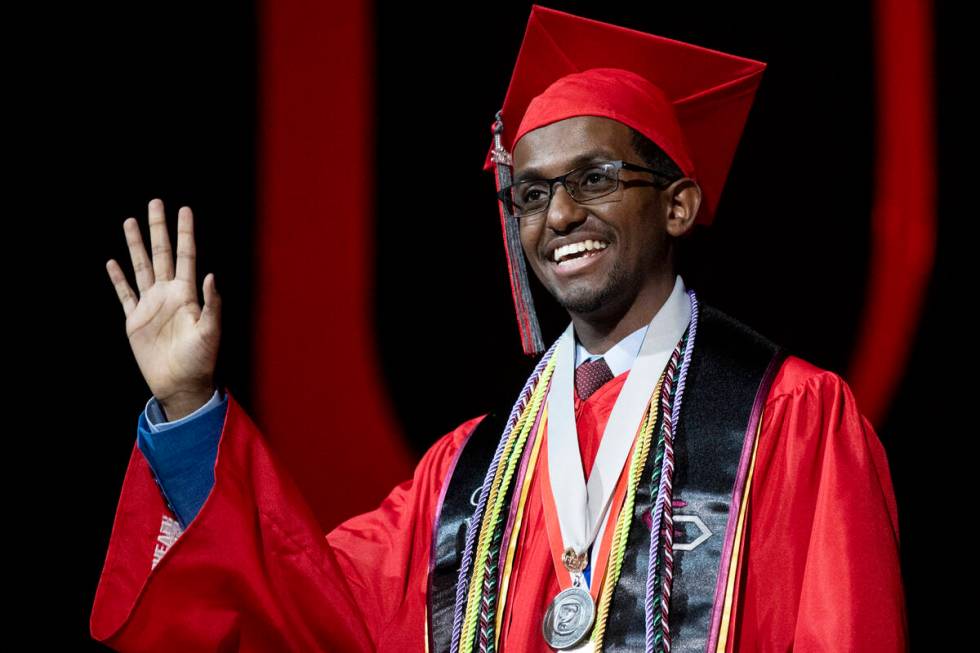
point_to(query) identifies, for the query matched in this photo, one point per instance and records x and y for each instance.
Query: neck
(599, 333)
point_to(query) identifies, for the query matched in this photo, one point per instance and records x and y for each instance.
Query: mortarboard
(689, 100)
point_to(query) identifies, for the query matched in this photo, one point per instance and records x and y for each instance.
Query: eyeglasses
(585, 184)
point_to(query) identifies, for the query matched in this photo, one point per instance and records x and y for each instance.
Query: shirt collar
(620, 356)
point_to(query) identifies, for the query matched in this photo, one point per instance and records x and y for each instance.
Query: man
(597, 515)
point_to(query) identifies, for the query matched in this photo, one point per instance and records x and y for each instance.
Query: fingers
(163, 258)
(137, 254)
(210, 320)
(186, 249)
(127, 297)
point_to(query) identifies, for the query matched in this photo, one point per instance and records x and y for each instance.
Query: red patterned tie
(590, 376)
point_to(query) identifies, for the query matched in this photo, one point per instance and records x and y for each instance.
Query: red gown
(253, 572)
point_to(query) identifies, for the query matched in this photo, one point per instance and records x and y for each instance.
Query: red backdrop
(318, 389)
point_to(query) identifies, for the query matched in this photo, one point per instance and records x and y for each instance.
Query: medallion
(569, 619)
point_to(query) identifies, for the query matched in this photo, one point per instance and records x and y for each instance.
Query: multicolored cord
(657, 603)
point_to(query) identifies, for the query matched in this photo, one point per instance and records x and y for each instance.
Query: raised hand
(174, 340)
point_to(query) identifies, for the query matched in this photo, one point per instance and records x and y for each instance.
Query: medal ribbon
(554, 530)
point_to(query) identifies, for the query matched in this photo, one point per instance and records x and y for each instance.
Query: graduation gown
(819, 569)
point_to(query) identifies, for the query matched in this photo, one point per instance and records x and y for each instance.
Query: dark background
(128, 103)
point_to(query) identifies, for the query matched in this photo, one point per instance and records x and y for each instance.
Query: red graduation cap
(689, 100)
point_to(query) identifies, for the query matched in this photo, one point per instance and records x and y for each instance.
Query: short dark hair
(654, 157)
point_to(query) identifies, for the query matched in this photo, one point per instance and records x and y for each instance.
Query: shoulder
(820, 397)
(811, 415)
(440, 455)
(797, 376)
(458, 436)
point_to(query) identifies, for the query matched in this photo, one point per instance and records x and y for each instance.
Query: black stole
(731, 371)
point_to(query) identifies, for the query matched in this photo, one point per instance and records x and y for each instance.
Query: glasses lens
(584, 184)
(592, 182)
(529, 197)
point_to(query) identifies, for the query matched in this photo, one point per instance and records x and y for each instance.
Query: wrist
(182, 404)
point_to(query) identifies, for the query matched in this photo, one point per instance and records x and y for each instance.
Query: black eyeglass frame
(504, 194)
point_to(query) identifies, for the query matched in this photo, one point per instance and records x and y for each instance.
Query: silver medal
(569, 618)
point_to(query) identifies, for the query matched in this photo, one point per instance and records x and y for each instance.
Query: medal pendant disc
(569, 618)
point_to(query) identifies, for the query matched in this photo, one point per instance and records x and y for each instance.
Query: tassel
(527, 317)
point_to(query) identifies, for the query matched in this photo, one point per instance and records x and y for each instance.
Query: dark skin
(627, 283)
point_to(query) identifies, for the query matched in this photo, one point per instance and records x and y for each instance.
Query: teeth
(574, 248)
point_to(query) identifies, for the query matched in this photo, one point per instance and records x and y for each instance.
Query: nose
(563, 211)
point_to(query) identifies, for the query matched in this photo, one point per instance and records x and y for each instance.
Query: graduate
(667, 479)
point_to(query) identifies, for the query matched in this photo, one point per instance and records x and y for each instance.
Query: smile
(578, 256)
(578, 249)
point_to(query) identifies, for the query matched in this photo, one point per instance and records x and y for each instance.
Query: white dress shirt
(620, 356)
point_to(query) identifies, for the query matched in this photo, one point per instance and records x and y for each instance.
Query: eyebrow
(585, 157)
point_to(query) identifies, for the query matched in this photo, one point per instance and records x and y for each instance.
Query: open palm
(174, 340)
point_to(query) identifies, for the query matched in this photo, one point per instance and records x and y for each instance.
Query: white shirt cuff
(157, 421)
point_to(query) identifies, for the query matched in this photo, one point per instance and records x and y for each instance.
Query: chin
(584, 301)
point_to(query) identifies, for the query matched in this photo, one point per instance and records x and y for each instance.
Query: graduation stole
(695, 480)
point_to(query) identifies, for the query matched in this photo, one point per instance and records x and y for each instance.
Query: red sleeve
(823, 566)
(253, 571)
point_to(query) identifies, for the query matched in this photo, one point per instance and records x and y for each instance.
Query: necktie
(590, 376)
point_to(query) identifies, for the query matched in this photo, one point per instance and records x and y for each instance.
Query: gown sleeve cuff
(183, 457)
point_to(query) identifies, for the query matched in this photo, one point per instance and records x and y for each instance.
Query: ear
(685, 200)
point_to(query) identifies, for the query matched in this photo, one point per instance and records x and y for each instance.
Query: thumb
(210, 321)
